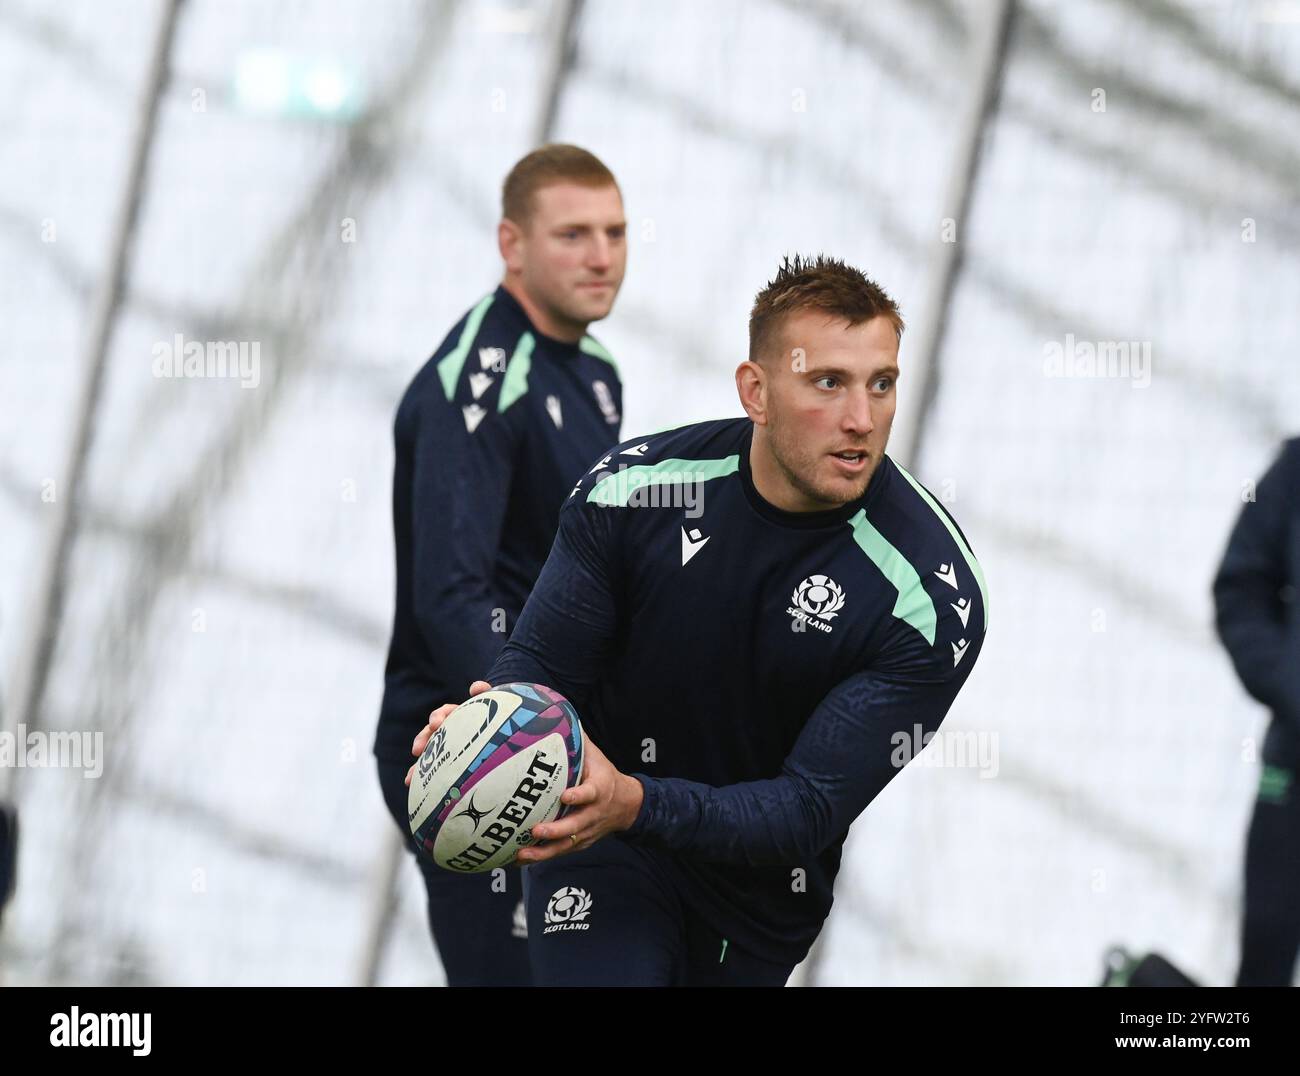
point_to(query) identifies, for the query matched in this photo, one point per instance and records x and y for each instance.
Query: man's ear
(510, 241)
(751, 387)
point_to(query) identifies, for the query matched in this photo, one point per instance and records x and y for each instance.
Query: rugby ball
(493, 770)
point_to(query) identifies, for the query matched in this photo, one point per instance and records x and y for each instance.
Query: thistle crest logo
(815, 603)
(819, 595)
(567, 908)
(429, 758)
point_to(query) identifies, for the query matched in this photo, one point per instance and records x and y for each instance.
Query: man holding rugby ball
(745, 658)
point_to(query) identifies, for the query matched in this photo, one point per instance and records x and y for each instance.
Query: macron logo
(948, 573)
(636, 450)
(473, 416)
(692, 542)
(478, 383)
(962, 605)
(959, 649)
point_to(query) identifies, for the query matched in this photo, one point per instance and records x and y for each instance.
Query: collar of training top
(553, 346)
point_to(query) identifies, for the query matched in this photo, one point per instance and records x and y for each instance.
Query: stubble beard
(797, 464)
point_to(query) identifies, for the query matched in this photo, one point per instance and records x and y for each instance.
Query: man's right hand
(435, 721)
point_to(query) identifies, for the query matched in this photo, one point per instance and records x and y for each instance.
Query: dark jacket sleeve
(846, 753)
(463, 463)
(1254, 619)
(567, 629)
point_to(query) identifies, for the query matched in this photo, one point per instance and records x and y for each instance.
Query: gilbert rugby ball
(493, 770)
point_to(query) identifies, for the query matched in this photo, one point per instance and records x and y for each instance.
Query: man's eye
(883, 384)
(828, 381)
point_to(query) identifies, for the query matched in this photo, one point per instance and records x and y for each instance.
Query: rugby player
(490, 437)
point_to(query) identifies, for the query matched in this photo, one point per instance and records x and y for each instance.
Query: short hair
(819, 283)
(552, 163)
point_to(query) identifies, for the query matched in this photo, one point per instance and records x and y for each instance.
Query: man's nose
(598, 252)
(857, 412)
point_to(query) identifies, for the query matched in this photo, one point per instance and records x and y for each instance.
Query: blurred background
(203, 571)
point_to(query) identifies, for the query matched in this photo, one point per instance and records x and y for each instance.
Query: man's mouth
(850, 462)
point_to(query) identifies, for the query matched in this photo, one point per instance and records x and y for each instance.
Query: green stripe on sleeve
(913, 605)
(614, 489)
(1273, 784)
(971, 562)
(515, 383)
(450, 366)
(592, 346)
